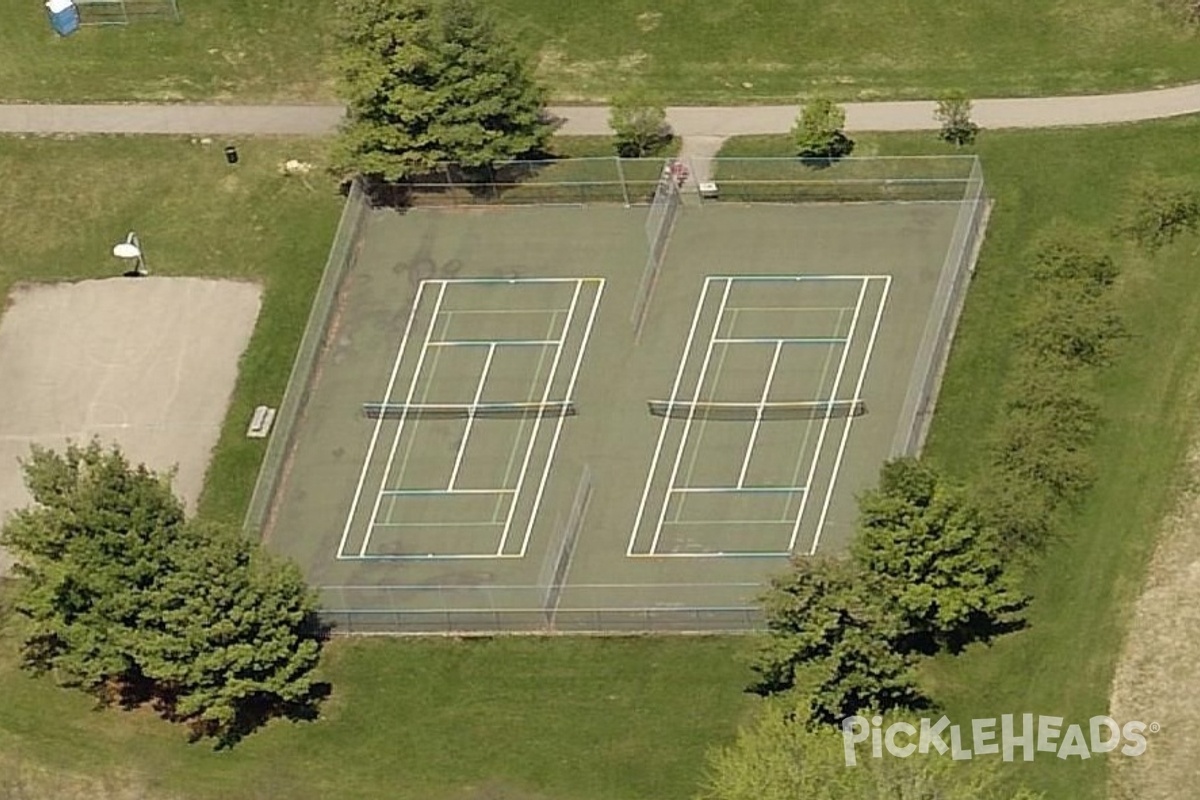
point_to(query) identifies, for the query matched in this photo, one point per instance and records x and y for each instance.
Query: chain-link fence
(342, 254)
(578, 608)
(634, 181)
(806, 180)
(567, 181)
(951, 293)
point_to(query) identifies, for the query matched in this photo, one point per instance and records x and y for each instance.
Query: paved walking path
(719, 121)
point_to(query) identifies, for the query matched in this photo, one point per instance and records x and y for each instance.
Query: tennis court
(515, 423)
(462, 444)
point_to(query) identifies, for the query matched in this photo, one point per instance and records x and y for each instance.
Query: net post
(621, 178)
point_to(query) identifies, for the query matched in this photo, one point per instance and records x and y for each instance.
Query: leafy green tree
(954, 113)
(1070, 327)
(1029, 450)
(639, 123)
(430, 83)
(938, 563)
(1071, 255)
(818, 131)
(831, 639)
(126, 598)
(1158, 210)
(1022, 513)
(778, 757)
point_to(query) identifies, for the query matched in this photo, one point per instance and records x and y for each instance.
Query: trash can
(64, 16)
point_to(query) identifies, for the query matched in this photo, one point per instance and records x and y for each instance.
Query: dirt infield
(1159, 669)
(147, 363)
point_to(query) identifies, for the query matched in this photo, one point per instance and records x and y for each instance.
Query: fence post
(621, 178)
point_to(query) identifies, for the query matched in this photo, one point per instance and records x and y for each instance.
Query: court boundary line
(579, 359)
(837, 382)
(864, 282)
(515, 492)
(537, 422)
(362, 477)
(412, 388)
(841, 451)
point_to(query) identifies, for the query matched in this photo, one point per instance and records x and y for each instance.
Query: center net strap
(561, 408)
(787, 410)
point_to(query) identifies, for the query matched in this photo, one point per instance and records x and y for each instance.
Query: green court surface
(495, 439)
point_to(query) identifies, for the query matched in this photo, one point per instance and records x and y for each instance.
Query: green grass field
(1063, 664)
(589, 720)
(692, 51)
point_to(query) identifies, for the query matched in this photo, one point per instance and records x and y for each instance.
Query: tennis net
(800, 409)
(561, 408)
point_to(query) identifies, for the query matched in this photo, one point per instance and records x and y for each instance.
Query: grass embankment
(1084, 588)
(698, 51)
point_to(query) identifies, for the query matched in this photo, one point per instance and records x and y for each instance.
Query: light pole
(131, 250)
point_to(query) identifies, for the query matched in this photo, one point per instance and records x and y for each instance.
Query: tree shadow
(840, 146)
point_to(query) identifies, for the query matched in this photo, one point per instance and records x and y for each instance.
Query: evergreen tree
(226, 633)
(86, 550)
(428, 84)
(127, 598)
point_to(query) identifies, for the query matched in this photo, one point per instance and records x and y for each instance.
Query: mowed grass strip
(584, 719)
(689, 51)
(1084, 588)
(431, 719)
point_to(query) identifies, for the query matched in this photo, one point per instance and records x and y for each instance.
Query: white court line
(424, 524)
(537, 422)
(466, 437)
(483, 281)
(362, 478)
(529, 397)
(789, 278)
(587, 335)
(442, 492)
(718, 554)
(758, 417)
(698, 447)
(487, 342)
(738, 490)
(790, 309)
(412, 388)
(662, 431)
(510, 311)
(787, 517)
(687, 424)
(841, 451)
(783, 339)
(837, 380)
(433, 557)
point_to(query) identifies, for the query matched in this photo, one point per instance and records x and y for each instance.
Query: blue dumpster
(64, 16)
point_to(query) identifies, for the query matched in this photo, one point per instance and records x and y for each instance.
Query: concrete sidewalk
(710, 121)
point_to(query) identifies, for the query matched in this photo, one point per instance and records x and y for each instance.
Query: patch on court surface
(518, 422)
